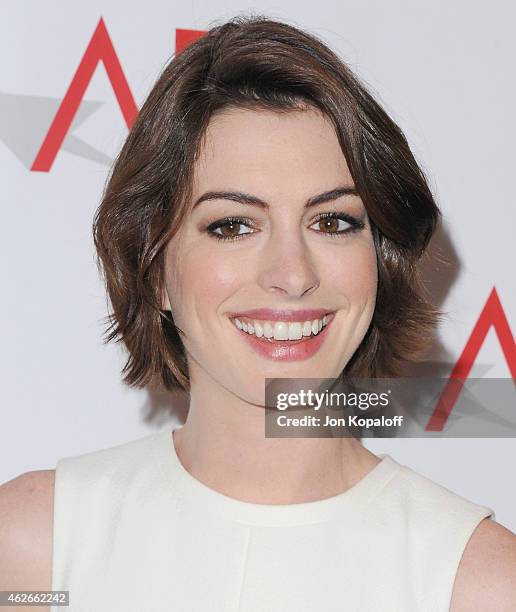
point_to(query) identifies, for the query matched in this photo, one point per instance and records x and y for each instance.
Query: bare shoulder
(26, 529)
(486, 577)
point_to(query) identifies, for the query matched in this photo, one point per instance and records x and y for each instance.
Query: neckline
(186, 489)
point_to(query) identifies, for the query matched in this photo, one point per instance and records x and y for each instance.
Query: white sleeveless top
(135, 532)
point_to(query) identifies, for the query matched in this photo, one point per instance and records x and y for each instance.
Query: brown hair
(256, 62)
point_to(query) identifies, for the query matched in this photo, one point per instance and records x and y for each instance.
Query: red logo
(492, 315)
(100, 49)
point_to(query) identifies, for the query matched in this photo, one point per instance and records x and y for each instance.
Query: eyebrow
(245, 198)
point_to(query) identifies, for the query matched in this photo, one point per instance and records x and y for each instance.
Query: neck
(222, 444)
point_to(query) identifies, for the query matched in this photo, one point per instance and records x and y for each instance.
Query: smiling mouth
(286, 332)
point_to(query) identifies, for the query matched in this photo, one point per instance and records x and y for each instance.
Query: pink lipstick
(285, 350)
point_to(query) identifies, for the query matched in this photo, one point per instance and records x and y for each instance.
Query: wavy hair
(257, 62)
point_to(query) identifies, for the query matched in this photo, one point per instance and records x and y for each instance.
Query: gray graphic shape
(25, 121)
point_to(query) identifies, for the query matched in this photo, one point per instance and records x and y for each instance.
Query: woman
(263, 220)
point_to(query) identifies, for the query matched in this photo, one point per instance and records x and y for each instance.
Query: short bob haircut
(254, 62)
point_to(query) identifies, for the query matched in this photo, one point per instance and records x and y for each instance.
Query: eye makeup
(237, 223)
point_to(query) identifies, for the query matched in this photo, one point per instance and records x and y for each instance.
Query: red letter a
(491, 315)
(99, 48)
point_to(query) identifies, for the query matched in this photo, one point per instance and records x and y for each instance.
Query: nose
(287, 267)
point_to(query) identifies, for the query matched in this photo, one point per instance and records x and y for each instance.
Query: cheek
(355, 275)
(205, 279)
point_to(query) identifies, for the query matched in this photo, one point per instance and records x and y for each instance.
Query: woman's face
(277, 175)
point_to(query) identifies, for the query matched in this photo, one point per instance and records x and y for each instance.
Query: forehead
(268, 151)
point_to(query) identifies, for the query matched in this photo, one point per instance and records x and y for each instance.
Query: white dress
(135, 532)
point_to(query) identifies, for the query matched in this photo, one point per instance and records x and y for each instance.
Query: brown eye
(229, 229)
(332, 224)
(329, 225)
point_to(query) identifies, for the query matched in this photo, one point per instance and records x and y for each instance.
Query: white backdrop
(444, 71)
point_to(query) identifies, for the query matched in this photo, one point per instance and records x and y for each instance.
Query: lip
(270, 314)
(288, 350)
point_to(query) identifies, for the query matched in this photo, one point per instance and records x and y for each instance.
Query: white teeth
(282, 330)
(267, 330)
(294, 331)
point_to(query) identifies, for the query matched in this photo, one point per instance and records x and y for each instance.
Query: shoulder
(486, 577)
(477, 567)
(433, 506)
(110, 461)
(26, 525)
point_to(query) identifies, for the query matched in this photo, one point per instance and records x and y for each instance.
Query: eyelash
(356, 225)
